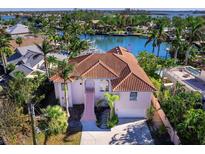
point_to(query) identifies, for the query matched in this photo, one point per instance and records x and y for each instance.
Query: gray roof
(18, 29)
(28, 55)
(25, 49)
(23, 68)
(25, 58)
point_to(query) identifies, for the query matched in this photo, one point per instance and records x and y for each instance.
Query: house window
(133, 96)
(104, 85)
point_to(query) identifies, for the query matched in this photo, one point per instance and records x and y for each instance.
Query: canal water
(135, 44)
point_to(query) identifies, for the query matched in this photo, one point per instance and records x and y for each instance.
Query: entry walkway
(89, 114)
(128, 131)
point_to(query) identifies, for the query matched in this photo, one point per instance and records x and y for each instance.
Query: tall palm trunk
(4, 61)
(175, 54)
(158, 50)
(46, 66)
(187, 56)
(153, 49)
(65, 98)
(32, 115)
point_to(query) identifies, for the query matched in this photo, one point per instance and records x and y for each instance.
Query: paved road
(129, 131)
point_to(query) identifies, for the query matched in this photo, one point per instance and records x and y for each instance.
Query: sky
(173, 5)
(61, 9)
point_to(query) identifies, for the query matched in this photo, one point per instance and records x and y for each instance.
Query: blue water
(7, 18)
(134, 44)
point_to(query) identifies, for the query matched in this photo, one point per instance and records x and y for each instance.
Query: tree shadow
(134, 134)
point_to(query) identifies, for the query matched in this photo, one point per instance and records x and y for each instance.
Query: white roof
(60, 55)
(18, 29)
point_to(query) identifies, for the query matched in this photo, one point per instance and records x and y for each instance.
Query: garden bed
(102, 113)
(160, 135)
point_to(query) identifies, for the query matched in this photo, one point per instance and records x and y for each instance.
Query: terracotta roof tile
(26, 42)
(99, 70)
(118, 64)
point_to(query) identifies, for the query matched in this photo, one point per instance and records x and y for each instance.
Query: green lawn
(61, 139)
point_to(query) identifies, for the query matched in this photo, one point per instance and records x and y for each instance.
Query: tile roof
(27, 41)
(118, 64)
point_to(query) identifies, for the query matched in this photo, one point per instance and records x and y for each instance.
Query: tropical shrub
(150, 113)
(192, 129)
(10, 67)
(113, 121)
(53, 121)
(112, 98)
(157, 84)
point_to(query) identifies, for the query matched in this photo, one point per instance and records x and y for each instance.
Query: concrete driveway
(128, 131)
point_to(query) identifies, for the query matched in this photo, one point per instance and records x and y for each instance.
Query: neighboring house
(28, 41)
(18, 30)
(116, 71)
(192, 78)
(28, 59)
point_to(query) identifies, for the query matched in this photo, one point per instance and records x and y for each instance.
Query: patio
(184, 77)
(128, 131)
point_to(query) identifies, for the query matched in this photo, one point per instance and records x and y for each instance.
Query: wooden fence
(172, 133)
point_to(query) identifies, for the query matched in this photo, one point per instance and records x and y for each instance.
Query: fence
(172, 133)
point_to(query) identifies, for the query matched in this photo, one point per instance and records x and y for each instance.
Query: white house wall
(59, 93)
(77, 91)
(126, 108)
(98, 94)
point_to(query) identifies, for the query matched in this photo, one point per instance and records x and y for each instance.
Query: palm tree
(45, 48)
(153, 38)
(76, 46)
(64, 71)
(19, 41)
(158, 36)
(4, 46)
(51, 60)
(177, 42)
(24, 91)
(20, 90)
(193, 34)
(53, 121)
(111, 99)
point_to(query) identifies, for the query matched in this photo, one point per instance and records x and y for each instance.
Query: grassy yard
(61, 139)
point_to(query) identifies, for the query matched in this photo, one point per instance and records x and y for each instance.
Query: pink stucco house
(116, 71)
